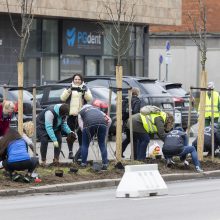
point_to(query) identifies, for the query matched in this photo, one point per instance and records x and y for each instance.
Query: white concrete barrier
(141, 181)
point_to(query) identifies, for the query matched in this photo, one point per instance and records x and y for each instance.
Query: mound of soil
(47, 173)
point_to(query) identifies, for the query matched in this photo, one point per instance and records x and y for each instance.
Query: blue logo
(71, 36)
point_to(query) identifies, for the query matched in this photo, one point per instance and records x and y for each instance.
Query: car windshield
(153, 88)
(55, 93)
(178, 92)
(13, 95)
(103, 93)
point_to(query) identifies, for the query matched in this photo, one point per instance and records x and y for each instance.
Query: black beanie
(64, 110)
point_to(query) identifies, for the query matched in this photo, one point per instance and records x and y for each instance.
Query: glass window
(139, 42)
(139, 67)
(69, 65)
(34, 43)
(109, 66)
(50, 69)
(50, 36)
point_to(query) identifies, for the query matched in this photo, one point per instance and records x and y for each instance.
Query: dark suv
(182, 100)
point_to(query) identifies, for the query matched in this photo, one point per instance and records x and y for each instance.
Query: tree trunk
(20, 66)
(201, 123)
(119, 113)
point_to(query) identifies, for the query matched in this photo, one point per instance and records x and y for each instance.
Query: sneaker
(104, 166)
(70, 155)
(26, 179)
(198, 169)
(186, 163)
(170, 162)
(83, 165)
(16, 177)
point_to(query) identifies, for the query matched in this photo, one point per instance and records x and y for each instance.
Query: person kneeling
(14, 154)
(175, 144)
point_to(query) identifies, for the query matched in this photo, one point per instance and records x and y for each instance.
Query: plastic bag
(153, 150)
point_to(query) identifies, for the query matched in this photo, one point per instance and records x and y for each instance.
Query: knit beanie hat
(64, 110)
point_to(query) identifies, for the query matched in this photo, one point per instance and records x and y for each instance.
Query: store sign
(82, 38)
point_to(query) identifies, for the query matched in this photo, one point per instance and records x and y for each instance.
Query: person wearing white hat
(208, 106)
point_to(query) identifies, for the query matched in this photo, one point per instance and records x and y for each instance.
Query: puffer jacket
(76, 96)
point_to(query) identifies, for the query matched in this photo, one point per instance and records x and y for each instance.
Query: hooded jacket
(76, 96)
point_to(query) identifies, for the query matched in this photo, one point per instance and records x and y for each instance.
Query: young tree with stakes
(121, 15)
(23, 32)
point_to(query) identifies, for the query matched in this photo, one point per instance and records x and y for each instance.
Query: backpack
(148, 109)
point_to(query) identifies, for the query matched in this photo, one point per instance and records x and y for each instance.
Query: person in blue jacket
(14, 154)
(176, 144)
(51, 122)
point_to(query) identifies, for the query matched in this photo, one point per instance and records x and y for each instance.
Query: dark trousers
(44, 144)
(88, 133)
(72, 122)
(208, 121)
(143, 140)
(127, 141)
(29, 165)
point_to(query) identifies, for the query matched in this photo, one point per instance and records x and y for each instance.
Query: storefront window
(50, 69)
(69, 65)
(34, 44)
(50, 36)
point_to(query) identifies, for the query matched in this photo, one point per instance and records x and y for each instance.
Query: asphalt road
(189, 200)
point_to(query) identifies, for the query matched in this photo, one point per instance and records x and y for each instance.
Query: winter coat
(4, 121)
(208, 139)
(76, 96)
(17, 151)
(49, 121)
(138, 126)
(174, 143)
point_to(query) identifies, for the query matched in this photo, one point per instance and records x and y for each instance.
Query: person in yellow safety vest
(208, 105)
(146, 125)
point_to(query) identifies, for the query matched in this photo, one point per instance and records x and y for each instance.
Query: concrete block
(141, 181)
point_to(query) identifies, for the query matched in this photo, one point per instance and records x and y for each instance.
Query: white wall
(183, 67)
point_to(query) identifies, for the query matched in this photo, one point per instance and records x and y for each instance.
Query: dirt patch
(47, 174)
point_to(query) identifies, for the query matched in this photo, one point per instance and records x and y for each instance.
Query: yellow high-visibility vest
(208, 105)
(148, 121)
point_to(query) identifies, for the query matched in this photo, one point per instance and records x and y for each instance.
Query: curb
(101, 184)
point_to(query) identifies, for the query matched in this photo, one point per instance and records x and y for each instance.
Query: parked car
(151, 93)
(50, 95)
(12, 95)
(181, 100)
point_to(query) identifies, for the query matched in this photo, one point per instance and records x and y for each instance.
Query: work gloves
(55, 144)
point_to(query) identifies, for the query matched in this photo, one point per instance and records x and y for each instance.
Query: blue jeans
(143, 140)
(87, 135)
(188, 150)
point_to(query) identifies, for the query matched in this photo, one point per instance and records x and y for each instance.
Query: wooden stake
(34, 117)
(201, 124)
(212, 121)
(20, 66)
(131, 125)
(119, 113)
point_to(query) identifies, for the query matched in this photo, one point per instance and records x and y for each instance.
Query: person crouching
(14, 153)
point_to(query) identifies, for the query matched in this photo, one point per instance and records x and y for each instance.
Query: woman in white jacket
(76, 96)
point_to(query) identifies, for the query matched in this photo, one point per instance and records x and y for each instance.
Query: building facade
(65, 38)
(184, 62)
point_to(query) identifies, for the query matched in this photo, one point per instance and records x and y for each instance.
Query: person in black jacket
(176, 144)
(135, 107)
(208, 139)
